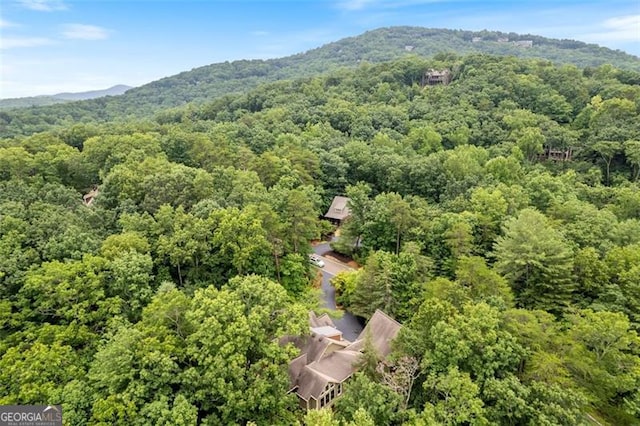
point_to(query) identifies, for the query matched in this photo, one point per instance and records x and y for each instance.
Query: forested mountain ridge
(516, 278)
(61, 97)
(206, 83)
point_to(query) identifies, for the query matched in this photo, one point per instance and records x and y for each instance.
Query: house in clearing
(339, 210)
(327, 361)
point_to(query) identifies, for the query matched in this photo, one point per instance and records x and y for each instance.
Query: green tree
(389, 219)
(298, 211)
(424, 140)
(345, 284)
(553, 404)
(388, 282)
(130, 278)
(490, 208)
(295, 274)
(632, 152)
(69, 292)
(459, 240)
(359, 204)
(474, 342)
(530, 141)
(32, 373)
(101, 153)
(234, 355)
(376, 399)
(506, 401)
(455, 399)
(536, 261)
(184, 243)
(605, 360)
(607, 150)
(482, 283)
(505, 169)
(323, 417)
(241, 243)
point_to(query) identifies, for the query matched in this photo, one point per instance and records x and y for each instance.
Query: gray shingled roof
(383, 329)
(339, 209)
(321, 363)
(334, 368)
(320, 321)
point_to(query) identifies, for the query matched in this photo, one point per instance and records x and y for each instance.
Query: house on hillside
(435, 77)
(523, 43)
(556, 154)
(339, 210)
(326, 362)
(88, 198)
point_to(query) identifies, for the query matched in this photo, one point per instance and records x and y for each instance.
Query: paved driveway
(348, 324)
(321, 248)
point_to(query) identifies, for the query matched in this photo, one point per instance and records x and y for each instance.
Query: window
(329, 393)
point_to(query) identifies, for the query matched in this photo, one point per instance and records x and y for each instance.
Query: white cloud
(14, 42)
(259, 33)
(619, 28)
(7, 24)
(43, 5)
(84, 32)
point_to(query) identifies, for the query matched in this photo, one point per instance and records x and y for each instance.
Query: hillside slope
(208, 82)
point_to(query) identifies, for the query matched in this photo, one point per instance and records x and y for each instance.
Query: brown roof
(382, 329)
(321, 363)
(320, 321)
(295, 368)
(339, 209)
(327, 331)
(334, 368)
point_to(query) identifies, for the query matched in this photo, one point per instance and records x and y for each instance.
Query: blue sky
(51, 46)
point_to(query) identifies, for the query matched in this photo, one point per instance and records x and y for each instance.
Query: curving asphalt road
(348, 324)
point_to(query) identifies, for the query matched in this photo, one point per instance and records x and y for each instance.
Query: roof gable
(382, 329)
(324, 360)
(339, 208)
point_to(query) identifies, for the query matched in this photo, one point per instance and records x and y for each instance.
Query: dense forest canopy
(202, 84)
(517, 277)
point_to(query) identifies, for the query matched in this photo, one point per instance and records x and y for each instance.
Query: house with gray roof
(339, 210)
(327, 360)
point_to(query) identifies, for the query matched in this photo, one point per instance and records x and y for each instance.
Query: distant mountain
(61, 97)
(209, 82)
(111, 91)
(385, 44)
